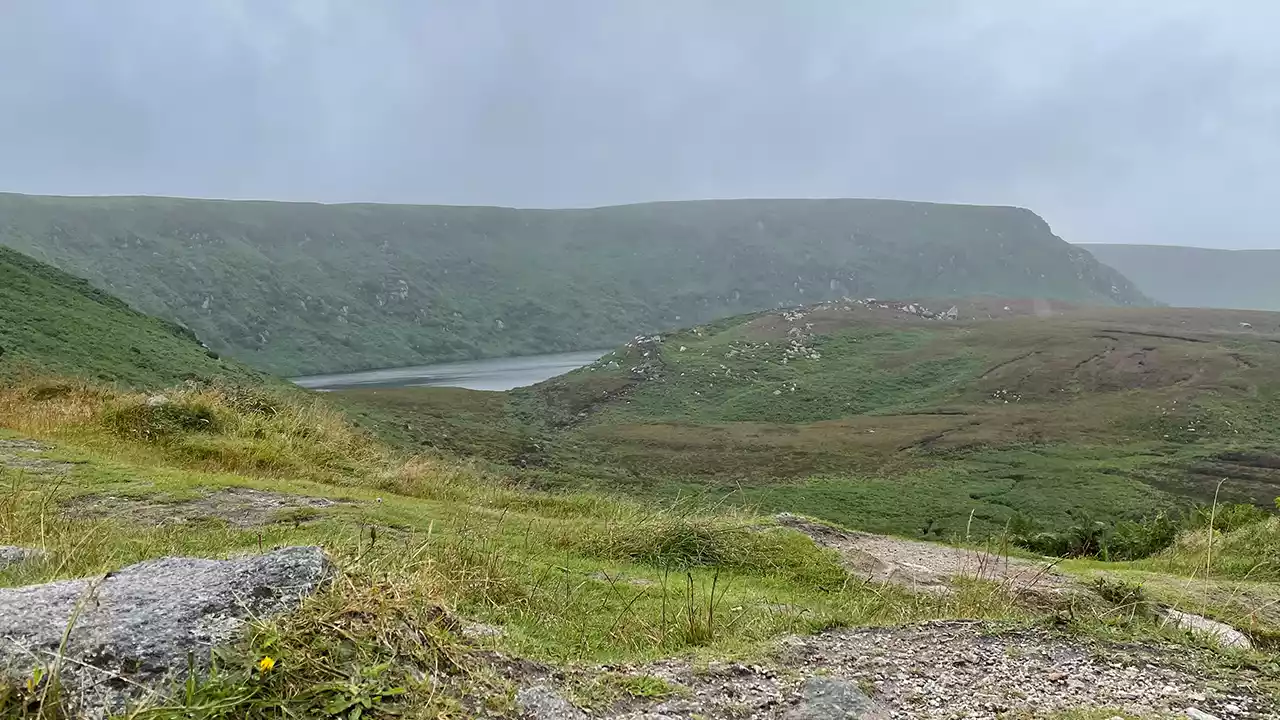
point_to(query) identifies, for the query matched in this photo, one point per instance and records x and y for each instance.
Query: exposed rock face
(138, 626)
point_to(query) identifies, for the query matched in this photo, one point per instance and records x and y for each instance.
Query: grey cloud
(1118, 121)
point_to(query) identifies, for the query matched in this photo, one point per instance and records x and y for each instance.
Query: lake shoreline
(491, 374)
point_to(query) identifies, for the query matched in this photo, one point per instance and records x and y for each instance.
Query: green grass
(51, 322)
(297, 288)
(428, 543)
(1054, 415)
(578, 577)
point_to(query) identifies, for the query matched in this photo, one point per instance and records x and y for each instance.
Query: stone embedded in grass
(11, 555)
(136, 628)
(1223, 634)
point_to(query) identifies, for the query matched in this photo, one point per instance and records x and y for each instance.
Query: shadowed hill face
(51, 322)
(892, 417)
(1199, 277)
(302, 288)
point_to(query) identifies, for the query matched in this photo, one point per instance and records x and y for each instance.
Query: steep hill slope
(1198, 277)
(302, 288)
(53, 322)
(878, 416)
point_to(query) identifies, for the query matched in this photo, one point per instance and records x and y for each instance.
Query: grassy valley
(51, 322)
(1045, 416)
(297, 288)
(1198, 277)
(522, 550)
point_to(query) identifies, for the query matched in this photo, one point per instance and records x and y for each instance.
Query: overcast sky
(1141, 121)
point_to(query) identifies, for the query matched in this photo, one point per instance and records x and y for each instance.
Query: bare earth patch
(928, 566)
(25, 455)
(240, 507)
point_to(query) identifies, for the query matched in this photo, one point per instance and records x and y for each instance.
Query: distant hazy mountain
(1199, 277)
(297, 288)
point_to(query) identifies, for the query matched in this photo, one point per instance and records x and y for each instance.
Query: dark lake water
(496, 374)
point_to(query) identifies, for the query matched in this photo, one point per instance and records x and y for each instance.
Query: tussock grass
(682, 537)
(215, 428)
(1248, 552)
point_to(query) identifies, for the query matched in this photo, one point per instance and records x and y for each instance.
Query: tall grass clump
(682, 538)
(262, 431)
(1248, 552)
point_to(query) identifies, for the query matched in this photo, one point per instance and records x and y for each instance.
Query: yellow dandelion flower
(266, 663)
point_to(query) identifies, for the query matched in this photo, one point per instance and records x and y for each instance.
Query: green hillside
(1199, 277)
(879, 417)
(303, 288)
(51, 322)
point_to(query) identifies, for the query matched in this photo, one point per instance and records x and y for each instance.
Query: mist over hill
(299, 288)
(1199, 277)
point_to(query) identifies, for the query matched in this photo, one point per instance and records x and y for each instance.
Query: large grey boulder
(138, 626)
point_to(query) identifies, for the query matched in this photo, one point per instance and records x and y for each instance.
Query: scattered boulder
(827, 698)
(136, 628)
(11, 555)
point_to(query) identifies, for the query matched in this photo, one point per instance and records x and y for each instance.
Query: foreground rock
(138, 626)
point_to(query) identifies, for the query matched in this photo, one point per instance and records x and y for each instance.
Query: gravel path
(958, 670)
(955, 670)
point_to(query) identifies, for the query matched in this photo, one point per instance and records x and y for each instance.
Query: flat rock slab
(25, 456)
(928, 566)
(139, 625)
(827, 698)
(1222, 633)
(239, 507)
